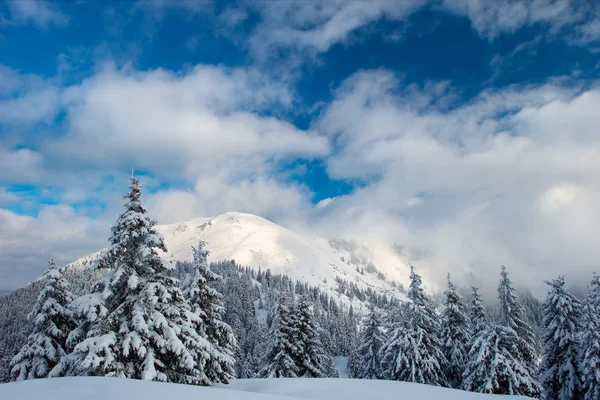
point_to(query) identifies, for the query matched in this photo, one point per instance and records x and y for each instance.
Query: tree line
(463, 348)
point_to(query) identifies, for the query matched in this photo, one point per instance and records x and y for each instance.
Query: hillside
(257, 243)
(94, 388)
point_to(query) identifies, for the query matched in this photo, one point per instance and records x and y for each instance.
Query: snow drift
(96, 388)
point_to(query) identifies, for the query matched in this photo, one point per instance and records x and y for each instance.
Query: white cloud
(41, 105)
(201, 123)
(311, 27)
(213, 195)
(27, 243)
(493, 18)
(20, 165)
(42, 14)
(204, 128)
(589, 31)
(9, 80)
(7, 197)
(325, 202)
(508, 178)
(558, 197)
(304, 29)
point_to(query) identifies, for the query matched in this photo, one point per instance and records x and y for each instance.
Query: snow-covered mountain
(257, 243)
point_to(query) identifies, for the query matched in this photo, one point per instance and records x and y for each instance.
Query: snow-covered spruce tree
(314, 361)
(455, 335)
(349, 334)
(53, 321)
(589, 358)
(364, 363)
(477, 313)
(559, 367)
(136, 323)
(512, 316)
(494, 364)
(414, 352)
(500, 360)
(206, 303)
(281, 360)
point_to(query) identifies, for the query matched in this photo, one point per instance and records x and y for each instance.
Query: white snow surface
(256, 242)
(97, 388)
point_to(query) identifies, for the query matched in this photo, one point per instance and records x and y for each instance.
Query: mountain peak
(255, 242)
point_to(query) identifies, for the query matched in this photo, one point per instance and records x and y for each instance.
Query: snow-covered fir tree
(281, 360)
(513, 316)
(365, 362)
(495, 365)
(313, 360)
(501, 361)
(414, 351)
(349, 333)
(455, 335)
(478, 317)
(53, 321)
(239, 298)
(589, 358)
(136, 323)
(559, 373)
(206, 303)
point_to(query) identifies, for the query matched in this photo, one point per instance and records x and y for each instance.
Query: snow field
(96, 388)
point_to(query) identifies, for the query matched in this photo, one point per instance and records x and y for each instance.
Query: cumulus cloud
(27, 243)
(7, 197)
(508, 178)
(213, 195)
(206, 128)
(206, 122)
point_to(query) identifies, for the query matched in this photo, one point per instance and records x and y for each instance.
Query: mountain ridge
(258, 243)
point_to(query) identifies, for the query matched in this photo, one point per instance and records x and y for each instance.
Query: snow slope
(96, 388)
(255, 242)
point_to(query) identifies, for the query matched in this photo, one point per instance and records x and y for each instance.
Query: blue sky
(448, 125)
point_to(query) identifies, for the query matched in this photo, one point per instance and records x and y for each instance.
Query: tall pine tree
(455, 335)
(365, 362)
(312, 358)
(281, 360)
(512, 316)
(558, 371)
(589, 359)
(478, 316)
(495, 365)
(502, 358)
(206, 303)
(414, 352)
(135, 323)
(52, 321)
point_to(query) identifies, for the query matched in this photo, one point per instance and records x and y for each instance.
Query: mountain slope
(257, 243)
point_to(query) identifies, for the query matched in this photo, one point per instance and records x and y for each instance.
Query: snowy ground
(93, 388)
